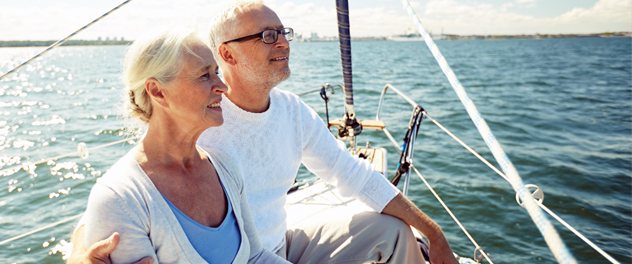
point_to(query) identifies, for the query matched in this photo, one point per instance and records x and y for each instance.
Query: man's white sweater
(269, 148)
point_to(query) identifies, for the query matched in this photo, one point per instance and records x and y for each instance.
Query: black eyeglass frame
(290, 33)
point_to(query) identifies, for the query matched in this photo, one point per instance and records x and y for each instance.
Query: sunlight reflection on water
(537, 108)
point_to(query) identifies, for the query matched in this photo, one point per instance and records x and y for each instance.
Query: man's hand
(439, 250)
(98, 253)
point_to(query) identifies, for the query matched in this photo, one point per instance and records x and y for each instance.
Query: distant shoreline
(410, 37)
(542, 36)
(417, 37)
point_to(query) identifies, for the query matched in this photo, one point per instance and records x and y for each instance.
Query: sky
(53, 20)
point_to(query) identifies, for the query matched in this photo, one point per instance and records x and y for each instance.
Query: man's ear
(156, 92)
(226, 54)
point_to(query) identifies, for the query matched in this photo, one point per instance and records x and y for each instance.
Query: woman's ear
(226, 54)
(156, 92)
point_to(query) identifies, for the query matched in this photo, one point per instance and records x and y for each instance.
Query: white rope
(552, 238)
(546, 209)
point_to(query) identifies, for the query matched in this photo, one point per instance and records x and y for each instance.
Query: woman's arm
(107, 213)
(98, 253)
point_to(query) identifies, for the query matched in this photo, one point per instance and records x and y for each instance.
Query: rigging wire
(54, 45)
(81, 153)
(409, 141)
(25, 165)
(546, 228)
(546, 209)
(41, 229)
(595, 247)
(468, 148)
(456, 220)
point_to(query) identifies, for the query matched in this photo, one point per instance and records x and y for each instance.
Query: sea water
(561, 108)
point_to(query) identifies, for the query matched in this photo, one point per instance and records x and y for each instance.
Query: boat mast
(349, 128)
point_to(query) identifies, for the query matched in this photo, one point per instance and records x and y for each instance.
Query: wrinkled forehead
(256, 19)
(198, 57)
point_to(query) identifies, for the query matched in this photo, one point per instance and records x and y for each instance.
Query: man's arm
(97, 253)
(402, 208)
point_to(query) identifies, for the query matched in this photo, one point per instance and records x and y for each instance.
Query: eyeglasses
(269, 36)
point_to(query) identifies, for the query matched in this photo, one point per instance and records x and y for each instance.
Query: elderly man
(270, 132)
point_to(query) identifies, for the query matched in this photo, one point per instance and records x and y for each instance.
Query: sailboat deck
(318, 199)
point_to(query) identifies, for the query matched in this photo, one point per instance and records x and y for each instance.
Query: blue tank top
(216, 245)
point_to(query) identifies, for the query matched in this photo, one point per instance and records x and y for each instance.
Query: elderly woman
(168, 198)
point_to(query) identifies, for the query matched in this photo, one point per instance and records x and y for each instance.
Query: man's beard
(261, 74)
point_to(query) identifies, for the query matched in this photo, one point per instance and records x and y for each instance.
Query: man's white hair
(226, 21)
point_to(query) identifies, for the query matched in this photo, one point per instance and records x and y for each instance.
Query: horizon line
(122, 39)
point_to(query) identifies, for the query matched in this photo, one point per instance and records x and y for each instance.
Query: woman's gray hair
(226, 21)
(158, 56)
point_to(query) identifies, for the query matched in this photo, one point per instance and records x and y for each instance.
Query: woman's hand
(98, 253)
